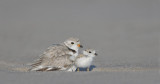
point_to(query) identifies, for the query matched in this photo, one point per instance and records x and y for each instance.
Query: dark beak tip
(96, 54)
(81, 46)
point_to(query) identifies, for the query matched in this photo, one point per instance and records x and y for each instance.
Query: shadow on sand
(85, 69)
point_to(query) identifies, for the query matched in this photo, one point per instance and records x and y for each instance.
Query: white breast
(84, 62)
(73, 55)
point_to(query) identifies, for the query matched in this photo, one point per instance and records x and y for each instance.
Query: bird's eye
(90, 52)
(72, 42)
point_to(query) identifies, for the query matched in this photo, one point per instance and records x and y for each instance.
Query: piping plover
(85, 60)
(58, 57)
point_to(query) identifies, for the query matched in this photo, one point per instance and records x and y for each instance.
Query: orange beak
(80, 45)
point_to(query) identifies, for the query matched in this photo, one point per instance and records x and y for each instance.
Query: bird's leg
(77, 69)
(88, 69)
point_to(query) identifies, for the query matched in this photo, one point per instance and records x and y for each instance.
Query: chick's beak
(80, 46)
(96, 54)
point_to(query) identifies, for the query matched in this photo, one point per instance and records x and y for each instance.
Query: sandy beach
(126, 34)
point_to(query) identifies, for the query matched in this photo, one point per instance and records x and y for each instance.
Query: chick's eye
(90, 52)
(72, 42)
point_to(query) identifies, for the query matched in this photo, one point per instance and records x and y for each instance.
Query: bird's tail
(41, 68)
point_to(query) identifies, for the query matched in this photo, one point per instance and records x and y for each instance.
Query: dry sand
(126, 34)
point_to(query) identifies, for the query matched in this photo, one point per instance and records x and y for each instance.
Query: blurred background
(125, 32)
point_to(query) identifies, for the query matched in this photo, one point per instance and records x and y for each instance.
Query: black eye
(72, 42)
(90, 52)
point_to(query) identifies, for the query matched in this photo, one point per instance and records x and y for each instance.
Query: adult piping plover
(85, 60)
(58, 57)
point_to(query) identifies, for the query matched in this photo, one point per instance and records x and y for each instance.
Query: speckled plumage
(54, 58)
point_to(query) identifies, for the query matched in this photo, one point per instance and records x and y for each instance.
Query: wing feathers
(56, 56)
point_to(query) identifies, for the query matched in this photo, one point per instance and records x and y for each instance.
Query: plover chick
(85, 60)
